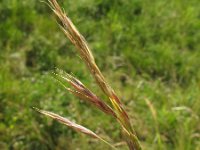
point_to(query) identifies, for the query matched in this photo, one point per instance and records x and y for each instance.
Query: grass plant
(116, 110)
(146, 50)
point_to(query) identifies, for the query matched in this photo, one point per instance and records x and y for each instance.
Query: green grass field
(147, 50)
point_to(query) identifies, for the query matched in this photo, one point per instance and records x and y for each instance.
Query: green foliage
(145, 49)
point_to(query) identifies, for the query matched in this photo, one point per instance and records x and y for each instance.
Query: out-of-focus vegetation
(146, 49)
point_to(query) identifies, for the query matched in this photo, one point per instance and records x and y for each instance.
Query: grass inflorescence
(78, 89)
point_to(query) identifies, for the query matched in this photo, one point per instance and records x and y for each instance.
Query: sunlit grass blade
(154, 115)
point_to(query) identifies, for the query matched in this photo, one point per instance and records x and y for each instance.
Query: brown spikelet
(72, 125)
(82, 47)
(81, 91)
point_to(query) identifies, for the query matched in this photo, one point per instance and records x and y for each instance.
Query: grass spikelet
(80, 90)
(72, 125)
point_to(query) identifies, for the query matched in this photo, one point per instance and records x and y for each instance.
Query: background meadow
(147, 50)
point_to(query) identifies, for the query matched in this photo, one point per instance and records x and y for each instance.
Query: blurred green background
(146, 50)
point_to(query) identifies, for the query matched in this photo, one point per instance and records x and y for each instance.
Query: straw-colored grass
(116, 109)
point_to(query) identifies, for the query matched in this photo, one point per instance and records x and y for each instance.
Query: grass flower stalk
(78, 89)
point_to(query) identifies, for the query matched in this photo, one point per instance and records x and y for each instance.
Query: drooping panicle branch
(73, 125)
